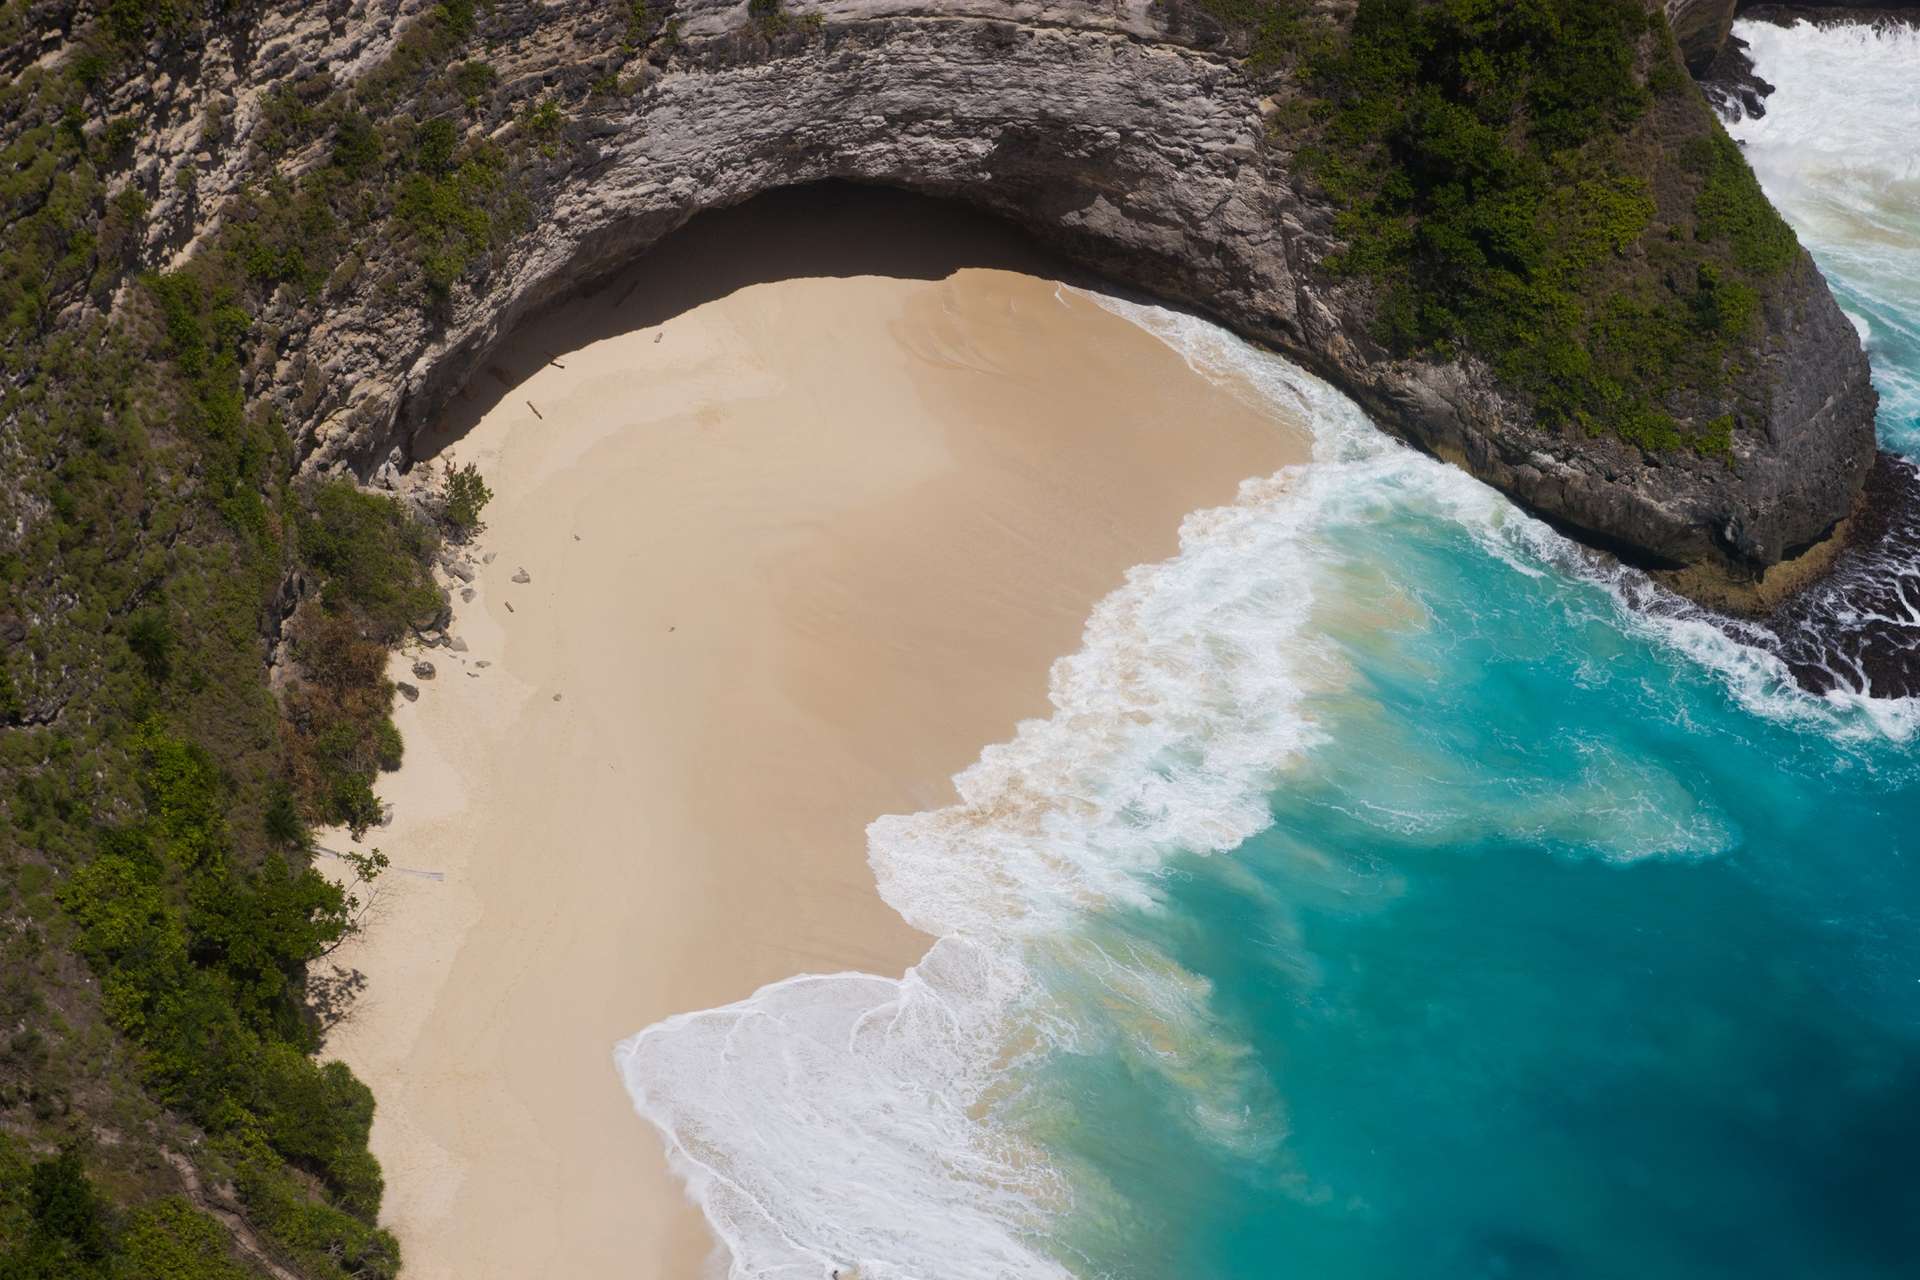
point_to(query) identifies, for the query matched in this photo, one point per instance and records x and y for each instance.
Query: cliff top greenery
(1499, 169)
(1504, 176)
(159, 908)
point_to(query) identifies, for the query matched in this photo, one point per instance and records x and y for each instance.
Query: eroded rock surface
(1124, 134)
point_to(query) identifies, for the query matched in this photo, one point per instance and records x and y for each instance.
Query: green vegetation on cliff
(1504, 176)
(157, 772)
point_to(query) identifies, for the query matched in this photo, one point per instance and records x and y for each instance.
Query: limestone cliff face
(1700, 27)
(1119, 131)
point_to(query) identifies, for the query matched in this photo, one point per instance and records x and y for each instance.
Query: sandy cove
(793, 556)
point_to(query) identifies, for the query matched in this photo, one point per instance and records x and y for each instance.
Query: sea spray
(852, 1120)
(1836, 152)
(890, 1125)
(985, 1116)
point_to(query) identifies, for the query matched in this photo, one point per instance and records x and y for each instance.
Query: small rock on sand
(487, 558)
(522, 577)
(410, 692)
(457, 645)
(423, 670)
(556, 697)
(467, 594)
(459, 571)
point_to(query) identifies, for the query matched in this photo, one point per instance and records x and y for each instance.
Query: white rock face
(1121, 132)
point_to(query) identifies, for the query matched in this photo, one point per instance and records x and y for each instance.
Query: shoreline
(755, 574)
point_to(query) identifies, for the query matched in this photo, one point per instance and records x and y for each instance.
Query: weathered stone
(521, 576)
(423, 670)
(1699, 27)
(410, 692)
(1121, 132)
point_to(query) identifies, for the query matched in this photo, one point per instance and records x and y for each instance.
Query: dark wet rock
(1731, 84)
(1699, 27)
(410, 692)
(423, 670)
(1858, 629)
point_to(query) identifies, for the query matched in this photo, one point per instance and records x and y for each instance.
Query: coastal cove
(793, 556)
(1186, 640)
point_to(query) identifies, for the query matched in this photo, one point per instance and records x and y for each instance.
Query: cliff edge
(1165, 145)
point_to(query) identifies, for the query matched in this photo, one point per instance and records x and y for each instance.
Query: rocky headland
(253, 249)
(1130, 137)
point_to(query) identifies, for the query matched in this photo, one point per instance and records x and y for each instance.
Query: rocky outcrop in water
(1702, 26)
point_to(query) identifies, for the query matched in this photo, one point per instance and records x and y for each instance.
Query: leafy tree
(467, 494)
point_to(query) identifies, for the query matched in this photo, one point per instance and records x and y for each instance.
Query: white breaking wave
(1836, 151)
(852, 1122)
(869, 1125)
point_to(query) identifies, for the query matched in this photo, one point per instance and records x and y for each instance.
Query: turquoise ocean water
(1386, 897)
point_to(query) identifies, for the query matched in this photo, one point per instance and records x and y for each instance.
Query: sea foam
(862, 1123)
(1835, 151)
(873, 1125)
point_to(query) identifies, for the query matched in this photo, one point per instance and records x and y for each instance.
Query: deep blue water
(1567, 954)
(1560, 961)
(1385, 896)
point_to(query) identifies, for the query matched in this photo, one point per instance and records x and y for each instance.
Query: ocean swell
(872, 1125)
(880, 1127)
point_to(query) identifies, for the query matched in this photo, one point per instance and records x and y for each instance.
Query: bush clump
(371, 558)
(467, 495)
(1501, 186)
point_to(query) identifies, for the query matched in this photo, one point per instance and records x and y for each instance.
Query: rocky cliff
(1131, 135)
(1701, 26)
(250, 248)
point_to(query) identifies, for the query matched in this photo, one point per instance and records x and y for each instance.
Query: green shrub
(1732, 206)
(433, 145)
(473, 79)
(545, 118)
(356, 145)
(371, 555)
(171, 1240)
(467, 496)
(1486, 161)
(151, 638)
(453, 216)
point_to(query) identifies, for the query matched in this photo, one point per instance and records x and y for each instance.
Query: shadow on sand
(823, 230)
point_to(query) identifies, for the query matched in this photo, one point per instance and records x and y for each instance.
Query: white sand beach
(791, 558)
